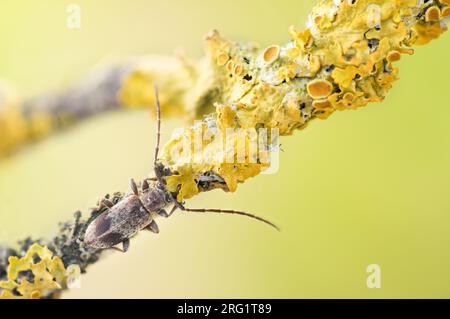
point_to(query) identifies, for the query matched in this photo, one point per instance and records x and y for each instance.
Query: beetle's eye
(168, 197)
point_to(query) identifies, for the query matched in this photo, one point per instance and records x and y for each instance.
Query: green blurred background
(364, 187)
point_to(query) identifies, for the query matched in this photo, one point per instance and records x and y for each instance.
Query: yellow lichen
(230, 66)
(433, 14)
(342, 60)
(174, 77)
(13, 127)
(424, 33)
(303, 39)
(237, 173)
(271, 54)
(393, 56)
(136, 92)
(49, 274)
(319, 89)
(445, 11)
(321, 104)
(238, 70)
(40, 124)
(222, 58)
(184, 183)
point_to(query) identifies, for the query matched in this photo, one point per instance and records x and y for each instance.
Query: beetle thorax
(153, 199)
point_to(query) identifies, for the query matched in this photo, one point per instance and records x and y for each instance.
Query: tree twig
(343, 60)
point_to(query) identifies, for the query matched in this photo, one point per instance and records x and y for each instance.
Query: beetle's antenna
(226, 211)
(158, 125)
(156, 166)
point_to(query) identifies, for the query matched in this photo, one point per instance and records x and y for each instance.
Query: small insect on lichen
(138, 210)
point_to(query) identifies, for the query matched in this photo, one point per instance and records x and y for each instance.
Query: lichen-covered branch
(107, 88)
(187, 88)
(343, 60)
(43, 268)
(340, 34)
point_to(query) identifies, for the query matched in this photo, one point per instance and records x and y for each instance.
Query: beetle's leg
(126, 245)
(153, 227)
(145, 185)
(107, 203)
(227, 211)
(104, 203)
(174, 208)
(134, 187)
(163, 213)
(116, 248)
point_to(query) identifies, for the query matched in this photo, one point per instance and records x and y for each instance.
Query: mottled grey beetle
(137, 211)
(123, 220)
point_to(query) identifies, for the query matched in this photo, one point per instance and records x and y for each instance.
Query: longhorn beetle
(138, 210)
